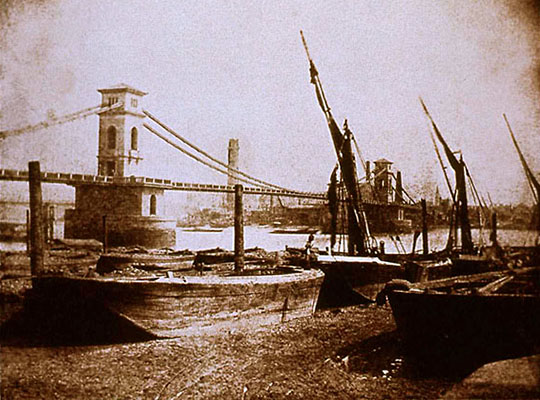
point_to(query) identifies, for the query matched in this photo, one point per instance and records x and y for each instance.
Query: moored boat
(365, 275)
(191, 302)
(481, 315)
(188, 304)
(359, 270)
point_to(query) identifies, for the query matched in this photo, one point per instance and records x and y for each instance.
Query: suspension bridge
(134, 205)
(115, 106)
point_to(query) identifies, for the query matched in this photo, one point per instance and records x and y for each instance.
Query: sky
(216, 70)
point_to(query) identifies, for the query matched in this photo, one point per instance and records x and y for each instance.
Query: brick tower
(119, 128)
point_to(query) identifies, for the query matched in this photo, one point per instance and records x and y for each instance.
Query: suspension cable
(84, 113)
(189, 154)
(204, 153)
(402, 188)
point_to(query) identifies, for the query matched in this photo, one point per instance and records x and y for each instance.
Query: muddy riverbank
(342, 353)
(352, 352)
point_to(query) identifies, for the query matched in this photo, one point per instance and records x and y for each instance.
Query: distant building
(383, 199)
(382, 180)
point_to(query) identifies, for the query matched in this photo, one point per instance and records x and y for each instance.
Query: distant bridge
(167, 184)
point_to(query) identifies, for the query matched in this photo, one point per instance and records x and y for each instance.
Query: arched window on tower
(153, 204)
(111, 137)
(134, 138)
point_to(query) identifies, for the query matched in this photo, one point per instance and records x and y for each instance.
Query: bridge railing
(75, 178)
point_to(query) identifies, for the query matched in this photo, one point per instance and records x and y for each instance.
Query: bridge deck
(167, 184)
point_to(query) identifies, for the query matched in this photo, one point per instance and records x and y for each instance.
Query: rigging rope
(452, 193)
(531, 179)
(188, 143)
(359, 153)
(481, 201)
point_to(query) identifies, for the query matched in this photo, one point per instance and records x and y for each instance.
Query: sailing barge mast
(357, 223)
(461, 216)
(531, 179)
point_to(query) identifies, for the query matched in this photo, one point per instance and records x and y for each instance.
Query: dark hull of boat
(472, 264)
(365, 278)
(186, 305)
(295, 231)
(478, 326)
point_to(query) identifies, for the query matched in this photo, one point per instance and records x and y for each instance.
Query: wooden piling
(37, 229)
(51, 220)
(238, 228)
(28, 234)
(493, 235)
(415, 238)
(425, 243)
(105, 235)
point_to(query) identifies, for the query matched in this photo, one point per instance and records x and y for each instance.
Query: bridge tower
(232, 161)
(232, 158)
(131, 213)
(119, 129)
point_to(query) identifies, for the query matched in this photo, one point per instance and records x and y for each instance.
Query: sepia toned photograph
(327, 199)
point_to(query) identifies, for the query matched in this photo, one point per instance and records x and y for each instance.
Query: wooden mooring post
(28, 235)
(105, 235)
(51, 221)
(493, 234)
(425, 243)
(37, 228)
(238, 228)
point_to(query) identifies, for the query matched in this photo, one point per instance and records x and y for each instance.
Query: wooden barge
(476, 315)
(189, 304)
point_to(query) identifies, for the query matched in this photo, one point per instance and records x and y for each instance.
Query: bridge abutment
(134, 216)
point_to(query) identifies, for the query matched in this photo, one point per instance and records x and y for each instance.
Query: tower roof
(383, 161)
(122, 87)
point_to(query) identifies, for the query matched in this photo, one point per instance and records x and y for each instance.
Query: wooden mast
(460, 199)
(531, 179)
(357, 223)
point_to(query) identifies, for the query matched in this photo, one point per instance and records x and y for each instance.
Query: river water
(263, 237)
(257, 236)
